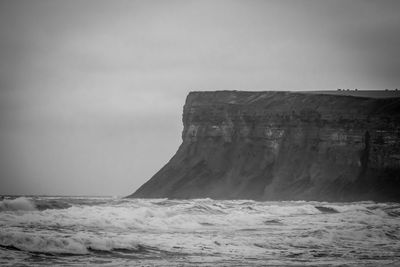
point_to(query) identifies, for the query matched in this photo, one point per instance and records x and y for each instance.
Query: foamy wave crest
(126, 232)
(78, 244)
(20, 203)
(41, 243)
(162, 215)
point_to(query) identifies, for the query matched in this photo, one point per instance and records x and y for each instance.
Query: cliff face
(283, 146)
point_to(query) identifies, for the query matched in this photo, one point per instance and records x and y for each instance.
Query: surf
(161, 231)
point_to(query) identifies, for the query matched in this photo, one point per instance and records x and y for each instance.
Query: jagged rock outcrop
(283, 146)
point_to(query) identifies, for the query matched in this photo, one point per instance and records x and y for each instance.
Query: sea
(111, 231)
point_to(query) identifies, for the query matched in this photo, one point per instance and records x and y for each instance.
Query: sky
(92, 91)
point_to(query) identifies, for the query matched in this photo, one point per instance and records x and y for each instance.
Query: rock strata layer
(283, 146)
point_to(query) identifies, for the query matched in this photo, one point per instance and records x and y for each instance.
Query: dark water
(72, 231)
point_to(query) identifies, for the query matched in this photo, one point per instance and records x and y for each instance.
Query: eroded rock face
(283, 146)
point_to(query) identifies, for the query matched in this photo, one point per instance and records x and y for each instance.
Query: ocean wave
(224, 229)
(78, 244)
(393, 211)
(177, 215)
(324, 209)
(41, 243)
(44, 204)
(20, 203)
(32, 204)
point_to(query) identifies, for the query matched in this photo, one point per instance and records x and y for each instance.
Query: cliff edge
(283, 146)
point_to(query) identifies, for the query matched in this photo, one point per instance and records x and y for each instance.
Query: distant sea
(106, 231)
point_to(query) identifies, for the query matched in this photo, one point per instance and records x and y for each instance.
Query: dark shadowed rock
(283, 146)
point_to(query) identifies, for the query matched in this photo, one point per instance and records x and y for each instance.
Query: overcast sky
(91, 92)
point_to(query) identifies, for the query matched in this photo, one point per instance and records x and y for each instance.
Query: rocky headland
(283, 146)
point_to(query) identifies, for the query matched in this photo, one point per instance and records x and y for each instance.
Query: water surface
(75, 231)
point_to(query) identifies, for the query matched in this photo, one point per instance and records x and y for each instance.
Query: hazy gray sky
(91, 92)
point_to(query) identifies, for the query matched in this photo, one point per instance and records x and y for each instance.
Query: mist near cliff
(91, 92)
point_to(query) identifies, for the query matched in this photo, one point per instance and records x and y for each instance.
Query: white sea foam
(21, 203)
(36, 242)
(218, 230)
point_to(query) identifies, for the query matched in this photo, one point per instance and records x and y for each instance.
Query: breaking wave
(20, 203)
(53, 244)
(239, 230)
(27, 204)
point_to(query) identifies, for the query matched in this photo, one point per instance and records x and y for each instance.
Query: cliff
(283, 146)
